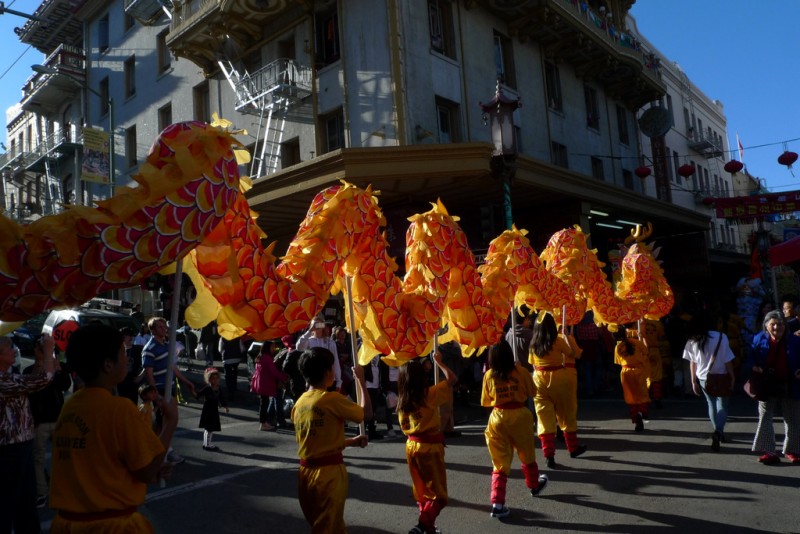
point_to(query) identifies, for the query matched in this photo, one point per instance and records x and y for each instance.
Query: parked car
(86, 316)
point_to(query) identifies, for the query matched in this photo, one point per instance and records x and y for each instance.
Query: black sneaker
(41, 501)
(577, 452)
(550, 461)
(542, 484)
(417, 530)
(500, 511)
(639, 422)
(715, 437)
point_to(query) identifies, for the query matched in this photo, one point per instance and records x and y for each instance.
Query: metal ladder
(269, 153)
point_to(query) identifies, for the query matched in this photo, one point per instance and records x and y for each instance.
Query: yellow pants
(428, 475)
(135, 523)
(507, 431)
(556, 400)
(634, 385)
(322, 494)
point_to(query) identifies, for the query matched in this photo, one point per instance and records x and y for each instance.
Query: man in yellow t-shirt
(318, 418)
(104, 451)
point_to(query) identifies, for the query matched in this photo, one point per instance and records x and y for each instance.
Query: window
(327, 35)
(706, 181)
(130, 147)
(102, 33)
(440, 21)
(627, 179)
(164, 59)
(676, 161)
(695, 185)
(104, 96)
(447, 121)
(559, 154)
(592, 114)
(504, 60)
(129, 69)
(669, 108)
(129, 22)
(67, 189)
(290, 153)
(553, 86)
(598, 171)
(669, 165)
(202, 102)
(622, 125)
(688, 121)
(164, 116)
(333, 127)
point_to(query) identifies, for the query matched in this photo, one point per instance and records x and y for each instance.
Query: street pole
(110, 144)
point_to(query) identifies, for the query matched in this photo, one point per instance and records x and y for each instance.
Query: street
(663, 479)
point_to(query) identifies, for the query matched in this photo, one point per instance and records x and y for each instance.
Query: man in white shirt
(317, 336)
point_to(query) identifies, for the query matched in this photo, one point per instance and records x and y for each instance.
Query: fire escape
(270, 92)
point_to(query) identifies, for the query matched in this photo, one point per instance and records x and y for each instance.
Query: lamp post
(41, 69)
(499, 114)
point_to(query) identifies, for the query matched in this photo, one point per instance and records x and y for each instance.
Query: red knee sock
(499, 486)
(531, 472)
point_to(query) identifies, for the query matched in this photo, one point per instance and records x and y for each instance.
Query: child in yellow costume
(631, 354)
(556, 400)
(653, 333)
(506, 388)
(104, 451)
(318, 418)
(418, 413)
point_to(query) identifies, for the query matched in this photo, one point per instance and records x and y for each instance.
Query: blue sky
(741, 52)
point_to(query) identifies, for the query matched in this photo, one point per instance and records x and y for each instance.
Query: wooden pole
(351, 315)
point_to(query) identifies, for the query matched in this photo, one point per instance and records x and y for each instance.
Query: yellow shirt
(99, 441)
(558, 355)
(517, 388)
(637, 359)
(425, 420)
(319, 418)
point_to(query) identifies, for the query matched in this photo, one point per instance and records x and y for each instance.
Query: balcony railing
(190, 12)
(604, 27)
(66, 59)
(282, 78)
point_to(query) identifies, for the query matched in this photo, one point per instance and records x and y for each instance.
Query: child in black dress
(212, 400)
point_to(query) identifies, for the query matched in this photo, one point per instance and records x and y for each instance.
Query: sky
(743, 53)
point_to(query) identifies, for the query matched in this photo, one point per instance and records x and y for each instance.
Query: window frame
(504, 60)
(131, 159)
(552, 81)
(592, 108)
(129, 70)
(441, 28)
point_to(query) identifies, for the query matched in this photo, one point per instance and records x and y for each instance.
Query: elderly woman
(777, 353)
(708, 351)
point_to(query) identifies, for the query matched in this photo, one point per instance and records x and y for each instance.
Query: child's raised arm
(449, 375)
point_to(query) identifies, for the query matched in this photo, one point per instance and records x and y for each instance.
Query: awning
(785, 253)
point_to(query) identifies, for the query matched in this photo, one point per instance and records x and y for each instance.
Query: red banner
(756, 206)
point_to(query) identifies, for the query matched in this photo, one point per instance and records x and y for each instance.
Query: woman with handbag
(711, 366)
(776, 356)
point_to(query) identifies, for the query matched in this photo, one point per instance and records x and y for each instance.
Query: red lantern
(686, 170)
(642, 172)
(733, 166)
(787, 158)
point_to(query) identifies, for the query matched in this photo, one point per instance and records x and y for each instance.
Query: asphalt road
(663, 479)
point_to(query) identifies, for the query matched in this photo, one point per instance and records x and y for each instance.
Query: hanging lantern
(686, 170)
(733, 166)
(642, 172)
(787, 158)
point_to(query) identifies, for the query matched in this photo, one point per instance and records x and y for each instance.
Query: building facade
(386, 93)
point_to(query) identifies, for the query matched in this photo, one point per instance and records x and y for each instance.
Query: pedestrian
(129, 387)
(17, 465)
(418, 413)
(155, 361)
(45, 407)
(507, 386)
(653, 332)
(588, 337)
(776, 357)
(317, 418)
(375, 376)
(105, 453)
(148, 398)
(631, 354)
(556, 401)
(708, 351)
(267, 383)
(232, 352)
(212, 399)
(317, 336)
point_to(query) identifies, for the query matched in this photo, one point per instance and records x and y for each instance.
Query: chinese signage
(756, 206)
(95, 156)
